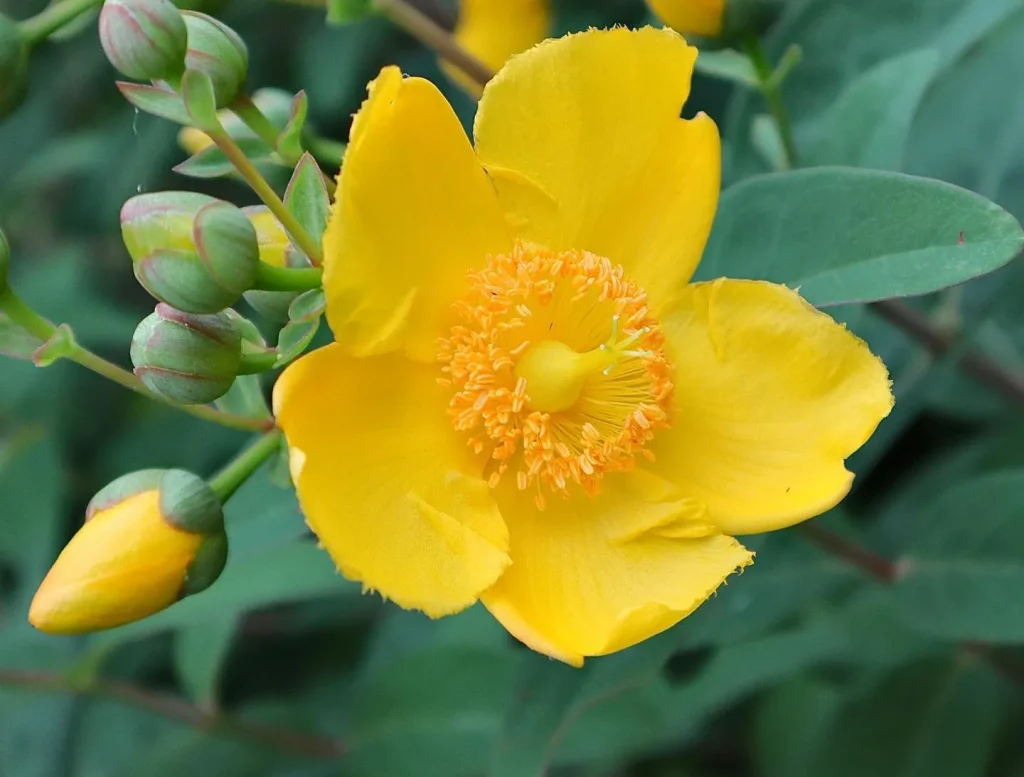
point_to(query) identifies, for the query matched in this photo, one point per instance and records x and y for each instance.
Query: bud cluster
(151, 40)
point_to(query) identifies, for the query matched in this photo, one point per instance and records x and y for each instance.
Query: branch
(179, 710)
(1008, 383)
(887, 572)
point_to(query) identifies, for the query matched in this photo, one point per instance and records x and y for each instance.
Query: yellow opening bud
(691, 17)
(132, 558)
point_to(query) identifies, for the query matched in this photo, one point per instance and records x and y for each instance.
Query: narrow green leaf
(869, 124)
(199, 656)
(842, 235)
(211, 162)
(294, 338)
(289, 142)
(245, 397)
(963, 575)
(727, 65)
(157, 100)
(200, 100)
(307, 197)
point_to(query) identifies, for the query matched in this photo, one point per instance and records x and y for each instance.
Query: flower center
(557, 368)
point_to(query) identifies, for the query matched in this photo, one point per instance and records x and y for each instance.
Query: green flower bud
(187, 358)
(144, 39)
(149, 539)
(5, 261)
(191, 251)
(217, 50)
(14, 53)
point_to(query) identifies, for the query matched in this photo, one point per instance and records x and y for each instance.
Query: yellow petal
(691, 17)
(124, 564)
(771, 397)
(414, 211)
(389, 488)
(493, 32)
(583, 140)
(593, 575)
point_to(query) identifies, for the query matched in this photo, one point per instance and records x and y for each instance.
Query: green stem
(324, 149)
(228, 480)
(44, 24)
(265, 192)
(270, 278)
(254, 119)
(773, 97)
(39, 327)
(257, 361)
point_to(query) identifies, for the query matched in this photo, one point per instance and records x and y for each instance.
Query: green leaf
(940, 718)
(728, 65)
(307, 198)
(304, 320)
(843, 235)
(212, 163)
(963, 574)
(869, 124)
(157, 100)
(289, 142)
(545, 693)
(348, 11)
(245, 397)
(790, 724)
(32, 492)
(200, 101)
(15, 342)
(199, 656)
(436, 713)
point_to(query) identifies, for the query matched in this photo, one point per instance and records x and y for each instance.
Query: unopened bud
(144, 39)
(149, 539)
(194, 252)
(218, 51)
(13, 66)
(691, 17)
(276, 249)
(187, 358)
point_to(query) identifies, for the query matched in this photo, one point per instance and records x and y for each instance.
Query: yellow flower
(149, 539)
(494, 31)
(691, 17)
(526, 402)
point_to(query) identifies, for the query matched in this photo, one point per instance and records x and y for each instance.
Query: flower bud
(149, 539)
(144, 39)
(275, 249)
(13, 66)
(217, 50)
(691, 17)
(191, 251)
(187, 358)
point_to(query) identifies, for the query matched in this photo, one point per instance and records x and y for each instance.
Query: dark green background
(801, 667)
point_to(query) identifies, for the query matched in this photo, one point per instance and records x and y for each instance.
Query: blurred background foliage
(905, 663)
